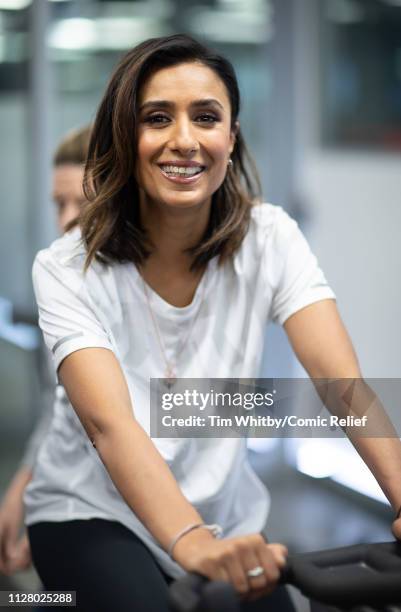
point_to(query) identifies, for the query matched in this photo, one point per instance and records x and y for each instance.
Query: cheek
(146, 150)
(219, 149)
(148, 146)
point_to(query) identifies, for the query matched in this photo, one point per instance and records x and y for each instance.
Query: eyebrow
(167, 104)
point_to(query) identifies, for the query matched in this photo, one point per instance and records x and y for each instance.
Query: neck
(173, 230)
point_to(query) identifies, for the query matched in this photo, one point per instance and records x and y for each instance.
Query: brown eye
(154, 119)
(207, 118)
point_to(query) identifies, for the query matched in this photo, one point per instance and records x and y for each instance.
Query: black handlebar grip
(348, 576)
(195, 593)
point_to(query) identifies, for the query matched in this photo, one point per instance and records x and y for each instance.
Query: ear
(233, 135)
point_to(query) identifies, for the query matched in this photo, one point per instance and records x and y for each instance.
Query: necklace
(170, 372)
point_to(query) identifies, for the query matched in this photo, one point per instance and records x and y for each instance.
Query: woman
(173, 272)
(68, 170)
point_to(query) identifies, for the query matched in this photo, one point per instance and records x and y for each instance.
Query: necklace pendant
(170, 376)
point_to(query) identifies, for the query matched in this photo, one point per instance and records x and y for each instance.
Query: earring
(230, 161)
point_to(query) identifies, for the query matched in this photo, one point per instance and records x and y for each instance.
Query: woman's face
(68, 194)
(184, 136)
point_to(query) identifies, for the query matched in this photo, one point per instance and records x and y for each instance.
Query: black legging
(110, 569)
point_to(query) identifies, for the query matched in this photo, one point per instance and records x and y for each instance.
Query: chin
(185, 200)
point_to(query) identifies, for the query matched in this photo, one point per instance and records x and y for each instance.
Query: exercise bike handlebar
(365, 574)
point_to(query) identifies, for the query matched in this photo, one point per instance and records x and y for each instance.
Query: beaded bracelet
(214, 529)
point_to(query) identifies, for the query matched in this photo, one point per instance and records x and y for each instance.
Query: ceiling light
(240, 26)
(14, 5)
(72, 34)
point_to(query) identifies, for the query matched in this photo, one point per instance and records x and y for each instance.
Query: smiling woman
(184, 140)
(174, 271)
(178, 103)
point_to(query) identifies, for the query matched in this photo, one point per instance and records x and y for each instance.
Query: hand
(15, 553)
(396, 528)
(230, 560)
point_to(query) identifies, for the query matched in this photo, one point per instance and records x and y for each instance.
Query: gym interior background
(321, 89)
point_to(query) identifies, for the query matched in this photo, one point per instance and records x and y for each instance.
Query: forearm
(94, 381)
(383, 457)
(12, 499)
(21, 478)
(145, 481)
(377, 442)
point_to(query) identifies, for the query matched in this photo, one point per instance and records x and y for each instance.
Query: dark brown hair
(110, 223)
(73, 148)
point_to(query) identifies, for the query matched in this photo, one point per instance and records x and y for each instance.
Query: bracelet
(214, 529)
(398, 515)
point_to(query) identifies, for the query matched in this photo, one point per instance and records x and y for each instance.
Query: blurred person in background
(68, 171)
(174, 271)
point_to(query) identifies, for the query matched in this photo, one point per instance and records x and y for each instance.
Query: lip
(181, 164)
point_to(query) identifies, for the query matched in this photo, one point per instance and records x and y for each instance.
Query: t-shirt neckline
(160, 304)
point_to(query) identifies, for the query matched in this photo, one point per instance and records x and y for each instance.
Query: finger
(11, 549)
(15, 556)
(236, 572)
(6, 545)
(21, 560)
(24, 543)
(18, 564)
(279, 553)
(220, 573)
(273, 558)
(10, 541)
(250, 560)
(272, 572)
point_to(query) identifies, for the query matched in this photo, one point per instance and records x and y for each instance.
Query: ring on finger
(255, 572)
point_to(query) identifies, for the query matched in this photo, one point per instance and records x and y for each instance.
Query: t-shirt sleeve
(298, 279)
(67, 317)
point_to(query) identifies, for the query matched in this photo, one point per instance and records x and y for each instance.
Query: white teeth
(182, 170)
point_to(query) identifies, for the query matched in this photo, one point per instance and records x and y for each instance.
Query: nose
(182, 137)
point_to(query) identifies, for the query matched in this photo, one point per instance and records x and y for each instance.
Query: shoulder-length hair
(110, 222)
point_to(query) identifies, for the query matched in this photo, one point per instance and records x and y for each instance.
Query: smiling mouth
(181, 171)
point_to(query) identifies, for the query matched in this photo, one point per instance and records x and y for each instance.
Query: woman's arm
(97, 389)
(324, 348)
(99, 394)
(14, 548)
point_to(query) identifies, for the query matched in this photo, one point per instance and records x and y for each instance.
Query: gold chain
(170, 373)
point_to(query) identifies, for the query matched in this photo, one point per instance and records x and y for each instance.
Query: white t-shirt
(273, 275)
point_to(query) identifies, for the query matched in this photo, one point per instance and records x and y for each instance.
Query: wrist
(190, 544)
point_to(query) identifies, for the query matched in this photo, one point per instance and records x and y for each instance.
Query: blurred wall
(355, 202)
(349, 189)
(14, 163)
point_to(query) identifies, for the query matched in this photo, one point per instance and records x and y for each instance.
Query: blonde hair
(73, 148)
